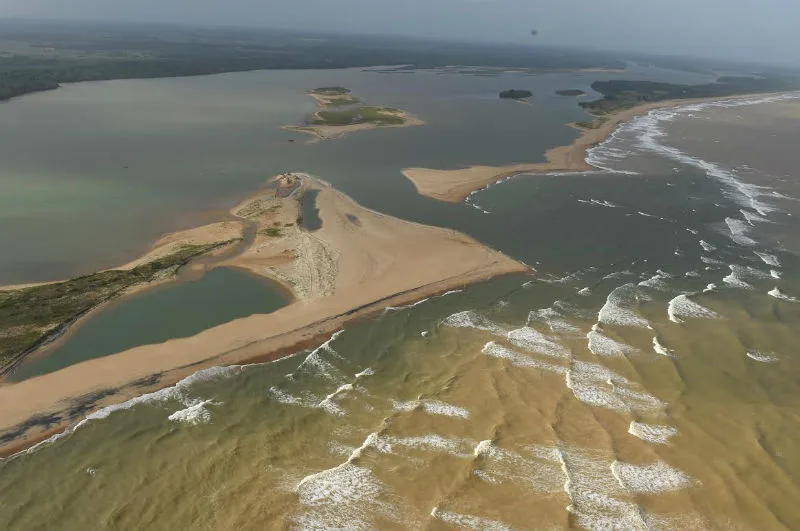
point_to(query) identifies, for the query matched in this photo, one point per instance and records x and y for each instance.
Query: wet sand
(358, 263)
(455, 185)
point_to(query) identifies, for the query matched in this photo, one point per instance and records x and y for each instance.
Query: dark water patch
(310, 219)
(178, 310)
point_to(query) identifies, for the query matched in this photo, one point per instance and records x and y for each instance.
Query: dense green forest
(623, 94)
(40, 56)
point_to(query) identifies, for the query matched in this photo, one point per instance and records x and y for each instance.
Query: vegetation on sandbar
(360, 115)
(623, 94)
(570, 92)
(335, 96)
(34, 316)
(516, 94)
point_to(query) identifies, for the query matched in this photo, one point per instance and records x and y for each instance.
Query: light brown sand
(358, 263)
(455, 185)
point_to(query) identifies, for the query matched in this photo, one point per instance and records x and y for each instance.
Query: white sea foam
(739, 230)
(593, 491)
(661, 349)
(496, 350)
(656, 281)
(328, 403)
(532, 340)
(366, 372)
(735, 277)
(465, 521)
(774, 274)
(176, 392)
(555, 320)
(653, 433)
(534, 467)
(762, 356)
(470, 319)
(753, 218)
(585, 291)
(649, 132)
(598, 202)
(650, 479)
(194, 414)
(436, 443)
(433, 407)
(707, 247)
(709, 287)
(284, 397)
(769, 259)
(615, 310)
(343, 497)
(682, 307)
(617, 275)
(778, 294)
(602, 345)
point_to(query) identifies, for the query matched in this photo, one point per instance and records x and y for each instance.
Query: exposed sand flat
(455, 185)
(359, 262)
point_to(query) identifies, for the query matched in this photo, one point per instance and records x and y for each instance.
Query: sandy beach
(356, 264)
(455, 185)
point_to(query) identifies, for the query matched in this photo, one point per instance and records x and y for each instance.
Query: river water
(646, 379)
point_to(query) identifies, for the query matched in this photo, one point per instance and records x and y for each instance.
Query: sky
(760, 30)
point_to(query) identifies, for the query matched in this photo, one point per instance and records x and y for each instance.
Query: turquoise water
(173, 311)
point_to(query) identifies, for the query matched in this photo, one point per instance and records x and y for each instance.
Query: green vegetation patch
(359, 115)
(331, 91)
(272, 232)
(620, 94)
(570, 92)
(33, 316)
(516, 94)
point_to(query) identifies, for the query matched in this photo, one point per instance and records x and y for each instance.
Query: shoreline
(455, 185)
(356, 264)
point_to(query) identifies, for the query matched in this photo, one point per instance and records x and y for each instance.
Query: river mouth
(172, 311)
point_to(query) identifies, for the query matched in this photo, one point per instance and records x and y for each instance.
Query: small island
(340, 113)
(516, 94)
(570, 92)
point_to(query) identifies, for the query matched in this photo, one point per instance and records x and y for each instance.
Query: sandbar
(455, 185)
(359, 262)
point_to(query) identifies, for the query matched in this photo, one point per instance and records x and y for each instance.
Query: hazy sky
(766, 30)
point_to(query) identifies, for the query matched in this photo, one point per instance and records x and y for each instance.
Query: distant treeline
(38, 56)
(621, 94)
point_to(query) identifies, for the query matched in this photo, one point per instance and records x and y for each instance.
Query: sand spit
(455, 185)
(356, 264)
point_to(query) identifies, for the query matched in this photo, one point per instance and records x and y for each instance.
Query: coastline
(372, 261)
(455, 185)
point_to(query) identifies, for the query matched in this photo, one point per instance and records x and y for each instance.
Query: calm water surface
(154, 316)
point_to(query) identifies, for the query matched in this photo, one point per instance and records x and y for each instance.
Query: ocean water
(646, 378)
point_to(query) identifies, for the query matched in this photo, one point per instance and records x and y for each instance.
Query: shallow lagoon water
(157, 315)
